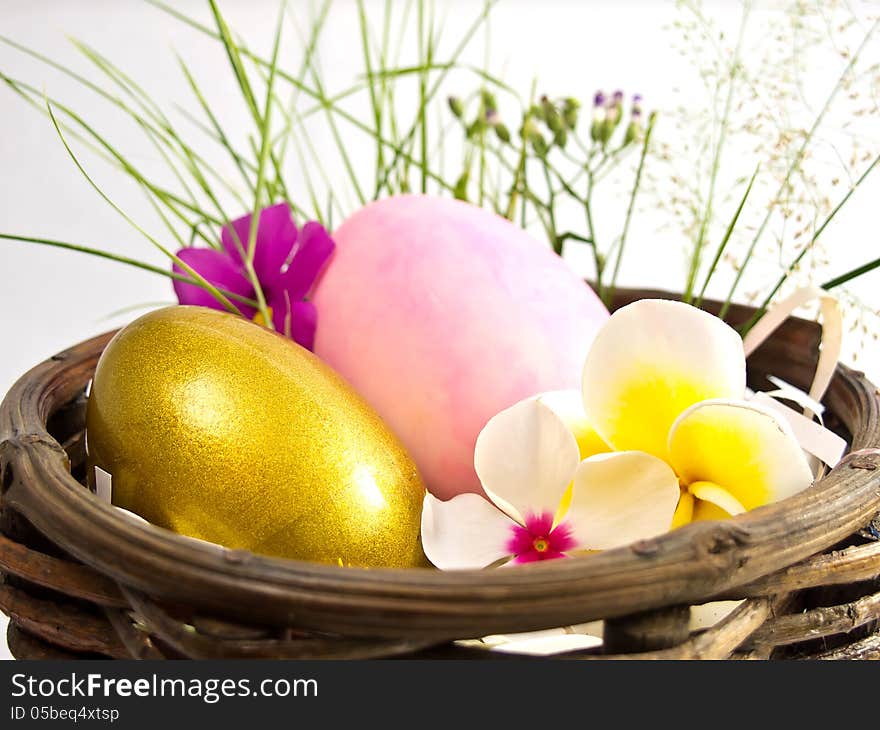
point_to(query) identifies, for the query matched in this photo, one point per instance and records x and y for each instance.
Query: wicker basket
(80, 580)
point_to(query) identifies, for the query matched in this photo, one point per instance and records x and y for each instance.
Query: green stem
(706, 220)
(726, 238)
(551, 210)
(609, 295)
(588, 212)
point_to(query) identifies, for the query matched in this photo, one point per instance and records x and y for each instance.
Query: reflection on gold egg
(219, 429)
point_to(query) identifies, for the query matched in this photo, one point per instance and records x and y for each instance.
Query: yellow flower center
(541, 545)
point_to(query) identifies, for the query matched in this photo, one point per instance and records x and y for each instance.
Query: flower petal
(542, 643)
(217, 268)
(525, 458)
(276, 235)
(312, 254)
(707, 511)
(468, 531)
(650, 361)
(569, 406)
(719, 496)
(708, 614)
(621, 497)
(684, 512)
(743, 448)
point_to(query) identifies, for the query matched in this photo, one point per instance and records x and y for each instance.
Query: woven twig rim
(690, 565)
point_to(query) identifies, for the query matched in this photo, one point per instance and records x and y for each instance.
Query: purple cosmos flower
(287, 262)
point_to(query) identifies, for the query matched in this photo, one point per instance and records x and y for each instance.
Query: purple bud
(636, 107)
(618, 96)
(599, 99)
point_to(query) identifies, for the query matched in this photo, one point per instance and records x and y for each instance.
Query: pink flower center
(539, 540)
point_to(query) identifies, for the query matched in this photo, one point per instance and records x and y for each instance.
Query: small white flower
(527, 458)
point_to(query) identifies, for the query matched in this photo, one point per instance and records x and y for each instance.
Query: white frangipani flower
(668, 379)
(526, 458)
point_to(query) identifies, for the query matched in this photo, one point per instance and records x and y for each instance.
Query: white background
(50, 299)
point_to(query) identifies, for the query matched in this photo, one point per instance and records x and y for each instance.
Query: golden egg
(216, 428)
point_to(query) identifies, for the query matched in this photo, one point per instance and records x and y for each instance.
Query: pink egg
(441, 314)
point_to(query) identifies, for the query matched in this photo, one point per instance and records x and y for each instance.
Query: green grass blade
(727, 234)
(265, 139)
(708, 212)
(161, 127)
(375, 102)
(310, 48)
(808, 247)
(852, 274)
(435, 87)
(100, 253)
(215, 124)
(182, 264)
(156, 126)
(398, 148)
(235, 61)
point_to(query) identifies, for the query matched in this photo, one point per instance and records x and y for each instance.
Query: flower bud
(489, 102)
(476, 128)
(560, 139)
(531, 134)
(461, 186)
(634, 130)
(502, 132)
(598, 116)
(539, 144)
(552, 117)
(456, 106)
(612, 117)
(570, 108)
(528, 128)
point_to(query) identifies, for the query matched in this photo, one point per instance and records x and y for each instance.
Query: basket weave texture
(80, 580)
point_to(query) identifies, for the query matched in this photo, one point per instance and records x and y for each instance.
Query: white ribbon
(813, 437)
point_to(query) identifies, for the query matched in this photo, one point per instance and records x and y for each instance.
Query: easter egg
(442, 314)
(216, 428)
